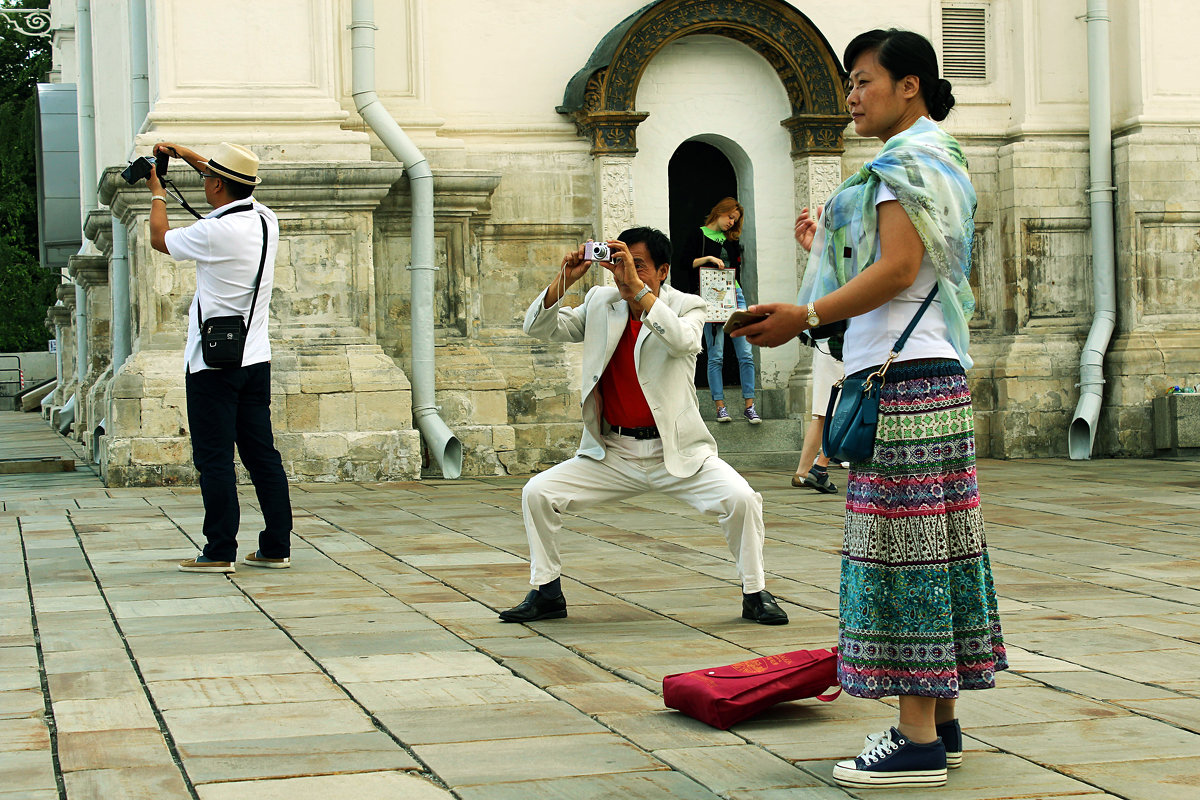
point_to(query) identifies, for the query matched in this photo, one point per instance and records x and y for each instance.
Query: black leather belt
(649, 432)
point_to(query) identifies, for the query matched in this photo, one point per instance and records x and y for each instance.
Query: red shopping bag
(724, 696)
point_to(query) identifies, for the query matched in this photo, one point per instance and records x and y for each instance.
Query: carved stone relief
(614, 176)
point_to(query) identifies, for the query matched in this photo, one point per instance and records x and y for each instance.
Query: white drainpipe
(443, 445)
(87, 175)
(1082, 432)
(139, 65)
(139, 82)
(121, 340)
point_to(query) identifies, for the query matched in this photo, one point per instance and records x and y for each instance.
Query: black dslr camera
(834, 332)
(139, 168)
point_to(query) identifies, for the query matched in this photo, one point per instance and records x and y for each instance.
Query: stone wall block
(326, 382)
(119, 452)
(326, 445)
(301, 412)
(383, 411)
(290, 446)
(160, 451)
(127, 385)
(504, 438)
(540, 447)
(337, 412)
(125, 414)
(379, 380)
(160, 418)
(479, 451)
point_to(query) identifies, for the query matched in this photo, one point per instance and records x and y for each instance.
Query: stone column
(341, 407)
(816, 176)
(98, 229)
(58, 321)
(65, 292)
(91, 272)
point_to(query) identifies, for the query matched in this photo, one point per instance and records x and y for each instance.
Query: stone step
(779, 461)
(774, 444)
(740, 436)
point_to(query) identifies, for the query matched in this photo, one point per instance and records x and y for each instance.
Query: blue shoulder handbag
(850, 420)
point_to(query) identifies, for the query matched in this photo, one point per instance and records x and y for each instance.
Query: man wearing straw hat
(234, 250)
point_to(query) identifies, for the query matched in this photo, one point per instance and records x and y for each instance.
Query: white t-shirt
(871, 336)
(227, 250)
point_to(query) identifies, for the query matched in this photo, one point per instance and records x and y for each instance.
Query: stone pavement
(376, 667)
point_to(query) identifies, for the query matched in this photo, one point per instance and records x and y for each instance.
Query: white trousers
(632, 467)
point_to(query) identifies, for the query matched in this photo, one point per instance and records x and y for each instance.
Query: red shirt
(620, 393)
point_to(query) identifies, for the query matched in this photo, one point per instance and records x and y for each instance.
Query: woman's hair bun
(942, 100)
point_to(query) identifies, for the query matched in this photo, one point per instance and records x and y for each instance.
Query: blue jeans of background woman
(714, 340)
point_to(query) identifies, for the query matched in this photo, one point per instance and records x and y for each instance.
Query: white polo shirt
(227, 250)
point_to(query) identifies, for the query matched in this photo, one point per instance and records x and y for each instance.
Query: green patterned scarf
(926, 170)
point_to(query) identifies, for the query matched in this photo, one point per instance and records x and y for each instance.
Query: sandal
(798, 482)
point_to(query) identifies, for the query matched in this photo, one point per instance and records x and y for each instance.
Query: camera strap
(262, 262)
(169, 185)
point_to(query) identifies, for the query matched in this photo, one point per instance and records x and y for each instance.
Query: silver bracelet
(162, 197)
(645, 291)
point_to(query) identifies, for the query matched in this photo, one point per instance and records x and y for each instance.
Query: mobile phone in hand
(740, 319)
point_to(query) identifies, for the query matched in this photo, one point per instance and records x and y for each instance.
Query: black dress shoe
(762, 608)
(537, 606)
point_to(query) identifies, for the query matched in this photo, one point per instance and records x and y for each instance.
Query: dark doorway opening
(698, 176)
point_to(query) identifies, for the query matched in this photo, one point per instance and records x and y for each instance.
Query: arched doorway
(603, 100)
(699, 175)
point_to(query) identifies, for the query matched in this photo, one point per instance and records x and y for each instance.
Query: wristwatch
(645, 291)
(813, 320)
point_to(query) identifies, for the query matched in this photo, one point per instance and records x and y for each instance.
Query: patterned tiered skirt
(918, 609)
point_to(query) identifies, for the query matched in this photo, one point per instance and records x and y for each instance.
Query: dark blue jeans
(227, 407)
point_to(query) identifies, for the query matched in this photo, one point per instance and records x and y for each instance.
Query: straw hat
(235, 163)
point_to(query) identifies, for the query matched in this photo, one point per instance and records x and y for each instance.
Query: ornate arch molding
(600, 96)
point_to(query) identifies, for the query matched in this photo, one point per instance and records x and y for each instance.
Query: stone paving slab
(376, 666)
(289, 756)
(369, 784)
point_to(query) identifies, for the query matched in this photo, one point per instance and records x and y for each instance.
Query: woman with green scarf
(918, 613)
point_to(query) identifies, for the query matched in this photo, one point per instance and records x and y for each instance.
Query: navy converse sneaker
(894, 761)
(951, 735)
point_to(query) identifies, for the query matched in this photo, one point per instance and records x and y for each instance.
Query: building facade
(548, 123)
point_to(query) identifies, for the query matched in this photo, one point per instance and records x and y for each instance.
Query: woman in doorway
(917, 608)
(716, 245)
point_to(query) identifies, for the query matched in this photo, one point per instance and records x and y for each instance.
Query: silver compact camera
(598, 251)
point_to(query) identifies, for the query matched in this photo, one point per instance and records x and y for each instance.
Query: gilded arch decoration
(600, 97)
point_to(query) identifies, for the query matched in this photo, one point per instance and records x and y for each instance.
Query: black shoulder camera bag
(223, 339)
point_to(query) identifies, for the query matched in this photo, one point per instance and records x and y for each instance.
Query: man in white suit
(642, 429)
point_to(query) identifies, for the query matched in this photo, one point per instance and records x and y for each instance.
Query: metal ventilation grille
(964, 44)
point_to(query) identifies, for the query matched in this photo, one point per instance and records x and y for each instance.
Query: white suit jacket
(664, 357)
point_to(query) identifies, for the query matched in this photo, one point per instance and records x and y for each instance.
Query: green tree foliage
(26, 290)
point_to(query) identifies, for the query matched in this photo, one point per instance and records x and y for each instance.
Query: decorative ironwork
(31, 21)
(603, 106)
